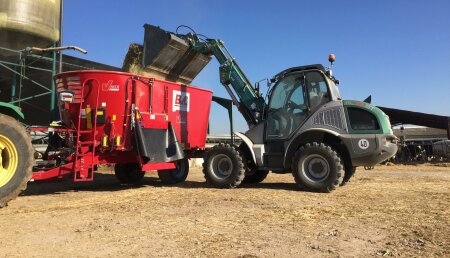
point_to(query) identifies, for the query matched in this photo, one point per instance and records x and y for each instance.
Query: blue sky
(396, 51)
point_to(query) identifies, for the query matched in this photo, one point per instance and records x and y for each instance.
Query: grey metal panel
(442, 149)
(169, 57)
(256, 133)
(330, 116)
(26, 23)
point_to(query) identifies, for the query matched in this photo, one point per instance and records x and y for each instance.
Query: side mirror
(257, 88)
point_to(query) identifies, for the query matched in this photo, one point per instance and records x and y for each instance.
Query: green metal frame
(16, 69)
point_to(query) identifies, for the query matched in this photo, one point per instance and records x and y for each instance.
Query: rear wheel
(16, 159)
(177, 175)
(317, 167)
(223, 166)
(129, 173)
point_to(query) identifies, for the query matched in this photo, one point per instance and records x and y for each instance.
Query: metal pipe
(32, 97)
(13, 87)
(53, 86)
(36, 49)
(61, 15)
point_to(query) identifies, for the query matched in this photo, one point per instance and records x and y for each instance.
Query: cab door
(288, 109)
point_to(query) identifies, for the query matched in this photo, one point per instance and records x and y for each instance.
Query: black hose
(187, 27)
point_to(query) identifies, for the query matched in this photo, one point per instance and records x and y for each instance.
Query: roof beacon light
(331, 59)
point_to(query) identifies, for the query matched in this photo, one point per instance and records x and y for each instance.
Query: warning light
(331, 58)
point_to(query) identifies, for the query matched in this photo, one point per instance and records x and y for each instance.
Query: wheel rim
(315, 168)
(221, 166)
(9, 160)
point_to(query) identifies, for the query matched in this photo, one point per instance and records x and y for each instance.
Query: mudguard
(249, 144)
(11, 110)
(157, 145)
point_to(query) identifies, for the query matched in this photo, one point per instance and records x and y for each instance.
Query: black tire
(254, 176)
(16, 160)
(129, 173)
(325, 160)
(223, 166)
(177, 175)
(349, 172)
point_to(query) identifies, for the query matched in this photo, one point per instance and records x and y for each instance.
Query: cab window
(286, 106)
(291, 101)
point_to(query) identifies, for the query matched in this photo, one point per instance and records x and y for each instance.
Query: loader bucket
(169, 57)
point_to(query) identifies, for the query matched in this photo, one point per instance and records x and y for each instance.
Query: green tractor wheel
(16, 159)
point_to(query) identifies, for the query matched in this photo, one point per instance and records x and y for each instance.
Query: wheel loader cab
(293, 99)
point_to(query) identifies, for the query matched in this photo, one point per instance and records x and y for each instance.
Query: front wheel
(16, 159)
(223, 166)
(254, 176)
(349, 172)
(317, 167)
(176, 175)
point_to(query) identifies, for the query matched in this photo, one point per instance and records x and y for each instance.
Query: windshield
(292, 100)
(309, 88)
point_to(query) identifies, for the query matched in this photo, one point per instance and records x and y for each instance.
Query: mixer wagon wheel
(16, 159)
(223, 166)
(177, 175)
(129, 173)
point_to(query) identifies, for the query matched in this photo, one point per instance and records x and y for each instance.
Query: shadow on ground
(109, 183)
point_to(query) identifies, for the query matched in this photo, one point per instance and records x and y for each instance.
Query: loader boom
(250, 103)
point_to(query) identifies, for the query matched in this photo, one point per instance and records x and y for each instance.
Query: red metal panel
(158, 166)
(188, 110)
(159, 102)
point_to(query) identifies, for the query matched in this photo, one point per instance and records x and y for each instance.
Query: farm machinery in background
(428, 140)
(141, 123)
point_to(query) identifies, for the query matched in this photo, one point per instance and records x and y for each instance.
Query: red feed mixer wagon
(136, 123)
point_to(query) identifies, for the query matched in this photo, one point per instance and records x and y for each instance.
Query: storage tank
(28, 23)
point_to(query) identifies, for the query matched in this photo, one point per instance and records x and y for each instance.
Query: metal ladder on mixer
(84, 162)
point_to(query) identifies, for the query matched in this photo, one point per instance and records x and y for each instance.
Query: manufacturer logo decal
(180, 101)
(363, 144)
(109, 86)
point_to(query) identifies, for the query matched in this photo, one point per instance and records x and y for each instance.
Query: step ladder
(84, 163)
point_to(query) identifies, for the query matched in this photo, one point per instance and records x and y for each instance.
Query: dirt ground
(388, 211)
